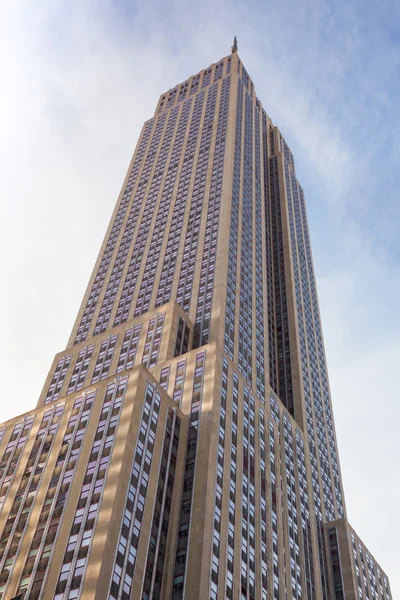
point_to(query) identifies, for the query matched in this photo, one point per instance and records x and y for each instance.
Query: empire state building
(183, 446)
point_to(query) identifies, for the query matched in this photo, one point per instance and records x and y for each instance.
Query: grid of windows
(183, 90)
(263, 506)
(178, 583)
(357, 569)
(371, 582)
(171, 253)
(179, 382)
(203, 313)
(234, 231)
(115, 231)
(206, 77)
(132, 520)
(230, 561)
(153, 340)
(146, 221)
(80, 538)
(219, 70)
(219, 484)
(125, 244)
(146, 287)
(21, 508)
(159, 529)
(322, 366)
(172, 97)
(103, 362)
(129, 348)
(305, 518)
(12, 455)
(259, 277)
(80, 370)
(58, 379)
(245, 77)
(274, 511)
(41, 548)
(195, 84)
(292, 512)
(185, 283)
(248, 537)
(245, 359)
(275, 478)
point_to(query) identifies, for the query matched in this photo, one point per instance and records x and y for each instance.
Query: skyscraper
(183, 446)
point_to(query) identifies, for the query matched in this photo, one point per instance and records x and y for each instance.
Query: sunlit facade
(183, 446)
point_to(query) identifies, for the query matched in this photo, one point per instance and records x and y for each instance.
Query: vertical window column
(21, 508)
(153, 340)
(80, 370)
(291, 501)
(219, 484)
(230, 321)
(42, 545)
(103, 363)
(178, 583)
(274, 498)
(80, 539)
(174, 236)
(179, 382)
(129, 348)
(203, 313)
(182, 338)
(248, 545)
(246, 270)
(263, 507)
(128, 541)
(185, 283)
(11, 456)
(161, 515)
(230, 561)
(259, 276)
(164, 377)
(58, 379)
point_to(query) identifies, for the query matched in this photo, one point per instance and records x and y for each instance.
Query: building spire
(234, 47)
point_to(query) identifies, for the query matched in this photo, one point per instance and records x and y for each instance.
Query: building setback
(183, 446)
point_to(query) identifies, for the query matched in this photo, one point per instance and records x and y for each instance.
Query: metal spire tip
(235, 46)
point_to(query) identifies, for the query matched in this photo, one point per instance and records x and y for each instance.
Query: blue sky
(79, 79)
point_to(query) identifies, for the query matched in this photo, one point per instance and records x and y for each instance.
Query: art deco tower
(183, 446)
